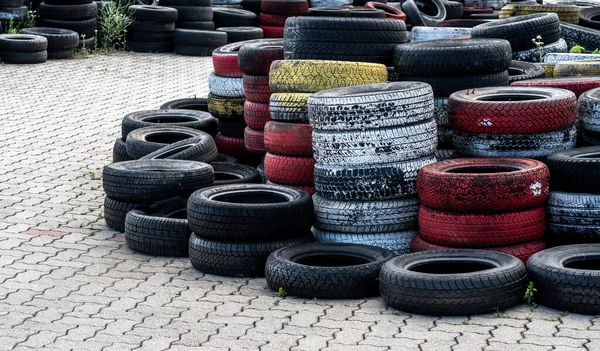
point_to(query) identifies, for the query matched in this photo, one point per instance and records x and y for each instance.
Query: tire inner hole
(181, 214)
(591, 264)
(330, 260)
(510, 97)
(255, 197)
(196, 107)
(483, 169)
(166, 138)
(226, 176)
(515, 71)
(450, 267)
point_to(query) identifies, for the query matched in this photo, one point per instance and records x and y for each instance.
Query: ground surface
(68, 282)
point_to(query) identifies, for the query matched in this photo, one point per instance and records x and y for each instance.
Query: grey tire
(397, 242)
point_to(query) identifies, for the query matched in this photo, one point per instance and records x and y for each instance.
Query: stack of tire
(236, 227)
(275, 13)
(369, 142)
(228, 17)
(80, 17)
(465, 64)
(23, 49)
(11, 11)
(255, 61)
(61, 42)
(520, 31)
(152, 29)
(566, 13)
(589, 115)
(484, 203)
(574, 201)
(192, 14)
(195, 42)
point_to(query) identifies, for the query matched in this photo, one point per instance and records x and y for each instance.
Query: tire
(353, 108)
(254, 140)
(454, 10)
(196, 25)
(231, 145)
(325, 11)
(226, 107)
(23, 43)
(538, 145)
(292, 170)
(193, 13)
(192, 37)
(481, 230)
(148, 37)
(574, 216)
(285, 7)
(201, 148)
(237, 34)
(223, 17)
(13, 57)
(58, 39)
(520, 251)
(160, 229)
(115, 212)
(566, 13)
(556, 57)
(270, 20)
(256, 88)
(196, 104)
(232, 173)
(510, 185)
(149, 47)
(227, 213)
(413, 15)
(289, 139)
(367, 13)
(272, 32)
(364, 217)
(435, 33)
(225, 58)
(12, 3)
(375, 146)
(589, 110)
(154, 180)
(520, 70)
(533, 55)
(512, 110)
(60, 54)
(370, 182)
(145, 13)
(289, 107)
(198, 120)
(494, 4)
(564, 280)
(433, 11)
(520, 30)
(255, 59)
(575, 170)
(120, 151)
(578, 85)
(458, 282)
(256, 115)
(390, 11)
(440, 112)
(192, 50)
(461, 23)
(444, 86)
(589, 17)
(590, 138)
(326, 271)
(577, 68)
(396, 242)
(225, 86)
(224, 158)
(234, 259)
(310, 76)
(68, 12)
(85, 28)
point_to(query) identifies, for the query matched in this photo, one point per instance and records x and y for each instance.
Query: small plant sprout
(537, 41)
(93, 176)
(577, 49)
(596, 52)
(498, 314)
(280, 293)
(530, 295)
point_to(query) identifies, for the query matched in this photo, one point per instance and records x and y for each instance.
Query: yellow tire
(566, 13)
(289, 107)
(549, 69)
(226, 107)
(579, 68)
(311, 76)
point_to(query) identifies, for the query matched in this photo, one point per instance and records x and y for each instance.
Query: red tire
(512, 110)
(271, 20)
(292, 139)
(310, 190)
(472, 10)
(256, 88)
(578, 85)
(256, 114)
(289, 169)
(285, 7)
(390, 11)
(520, 251)
(481, 230)
(272, 32)
(225, 58)
(484, 184)
(231, 146)
(255, 141)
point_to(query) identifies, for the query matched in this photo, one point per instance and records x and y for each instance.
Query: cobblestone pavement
(68, 282)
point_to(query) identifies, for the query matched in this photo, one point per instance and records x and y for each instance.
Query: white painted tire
(495, 4)
(589, 110)
(556, 57)
(225, 86)
(420, 33)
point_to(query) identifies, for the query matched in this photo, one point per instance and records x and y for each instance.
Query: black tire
(573, 34)
(237, 34)
(199, 120)
(236, 259)
(144, 141)
(432, 11)
(88, 44)
(575, 170)
(520, 70)
(590, 17)
(521, 29)
(223, 17)
(574, 216)
(242, 214)
(152, 27)
(115, 212)
(255, 59)
(326, 271)
(11, 3)
(201, 148)
(566, 278)
(153, 13)
(148, 37)
(60, 54)
(453, 282)
(189, 50)
(193, 13)
(85, 28)
(205, 3)
(233, 173)
(58, 39)
(195, 104)
(22, 43)
(328, 12)
(155, 180)
(160, 229)
(198, 25)
(146, 47)
(191, 37)
(23, 58)
(460, 57)
(67, 2)
(68, 12)
(444, 86)
(367, 13)
(533, 55)
(120, 151)
(454, 10)
(413, 15)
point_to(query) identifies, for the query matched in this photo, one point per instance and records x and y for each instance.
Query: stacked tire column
(81, 18)
(192, 14)
(369, 142)
(152, 29)
(276, 12)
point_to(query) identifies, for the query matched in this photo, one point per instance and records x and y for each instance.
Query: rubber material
(520, 70)
(575, 170)
(291, 139)
(444, 86)
(226, 107)
(199, 120)
(293, 170)
(578, 85)
(201, 148)
(574, 216)
(115, 212)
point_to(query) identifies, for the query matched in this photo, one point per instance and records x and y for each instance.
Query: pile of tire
(80, 17)
(494, 4)
(152, 28)
(61, 42)
(192, 14)
(335, 38)
(196, 42)
(520, 31)
(23, 48)
(276, 12)
(465, 64)
(521, 122)
(566, 13)
(11, 11)
(574, 201)
(483, 203)
(228, 17)
(369, 142)
(236, 227)
(255, 61)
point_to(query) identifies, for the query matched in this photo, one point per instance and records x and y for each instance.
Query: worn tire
(256, 114)
(58, 39)
(120, 151)
(256, 88)
(255, 59)
(444, 86)
(226, 107)
(574, 216)
(575, 170)
(201, 148)
(152, 13)
(115, 212)
(291, 139)
(520, 70)
(292, 170)
(289, 107)
(144, 141)
(196, 104)
(533, 55)
(199, 120)
(233, 173)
